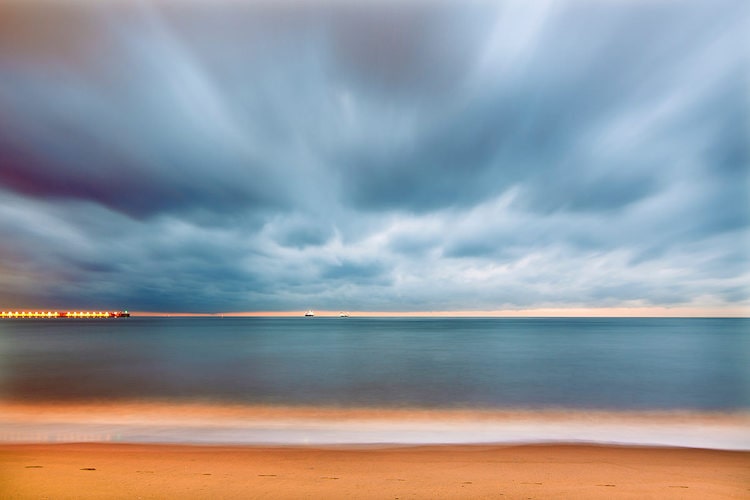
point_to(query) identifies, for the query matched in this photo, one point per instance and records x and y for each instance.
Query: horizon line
(609, 312)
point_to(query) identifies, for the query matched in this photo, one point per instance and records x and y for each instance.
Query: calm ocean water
(592, 363)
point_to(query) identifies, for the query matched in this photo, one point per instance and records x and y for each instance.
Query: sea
(407, 380)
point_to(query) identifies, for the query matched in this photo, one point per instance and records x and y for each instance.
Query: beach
(148, 450)
(96, 470)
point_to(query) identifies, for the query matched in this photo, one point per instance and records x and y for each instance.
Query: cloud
(431, 156)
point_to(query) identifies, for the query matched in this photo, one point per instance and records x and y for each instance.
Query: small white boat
(309, 313)
(344, 315)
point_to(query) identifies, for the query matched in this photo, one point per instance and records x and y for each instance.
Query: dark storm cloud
(430, 155)
(301, 232)
(139, 128)
(356, 273)
(409, 50)
(541, 127)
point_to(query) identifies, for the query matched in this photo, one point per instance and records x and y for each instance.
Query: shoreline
(234, 424)
(96, 470)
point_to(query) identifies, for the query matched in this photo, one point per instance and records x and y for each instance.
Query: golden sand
(542, 471)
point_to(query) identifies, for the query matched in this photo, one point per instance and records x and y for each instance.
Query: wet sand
(104, 470)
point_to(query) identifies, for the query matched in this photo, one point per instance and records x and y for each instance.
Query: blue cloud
(245, 155)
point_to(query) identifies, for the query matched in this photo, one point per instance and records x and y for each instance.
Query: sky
(513, 157)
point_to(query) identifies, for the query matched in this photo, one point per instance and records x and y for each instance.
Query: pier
(64, 314)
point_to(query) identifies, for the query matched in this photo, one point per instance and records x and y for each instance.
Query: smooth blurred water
(581, 363)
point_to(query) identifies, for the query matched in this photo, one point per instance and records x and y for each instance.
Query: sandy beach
(531, 471)
(167, 450)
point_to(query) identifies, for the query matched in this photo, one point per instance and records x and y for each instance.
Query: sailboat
(309, 313)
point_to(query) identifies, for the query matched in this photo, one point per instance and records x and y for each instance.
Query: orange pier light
(63, 314)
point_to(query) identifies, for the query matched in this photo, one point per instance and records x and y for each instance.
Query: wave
(205, 423)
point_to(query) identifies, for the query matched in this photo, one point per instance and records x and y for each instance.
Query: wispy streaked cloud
(424, 156)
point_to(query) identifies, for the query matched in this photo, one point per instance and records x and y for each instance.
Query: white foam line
(309, 432)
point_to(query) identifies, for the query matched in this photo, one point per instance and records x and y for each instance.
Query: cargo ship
(64, 314)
